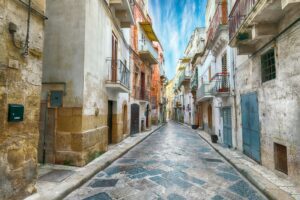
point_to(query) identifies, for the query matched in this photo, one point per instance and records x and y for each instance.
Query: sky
(174, 22)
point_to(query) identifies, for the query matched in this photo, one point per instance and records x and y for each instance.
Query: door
(147, 116)
(114, 57)
(227, 127)
(46, 150)
(209, 116)
(250, 126)
(142, 86)
(135, 117)
(125, 119)
(109, 121)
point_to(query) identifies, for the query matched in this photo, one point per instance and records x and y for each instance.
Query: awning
(185, 60)
(148, 29)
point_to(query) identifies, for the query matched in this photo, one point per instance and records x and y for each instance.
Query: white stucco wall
(67, 59)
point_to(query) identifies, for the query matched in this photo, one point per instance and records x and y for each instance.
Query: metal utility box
(56, 98)
(15, 113)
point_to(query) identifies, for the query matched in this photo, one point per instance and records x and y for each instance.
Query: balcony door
(142, 92)
(114, 57)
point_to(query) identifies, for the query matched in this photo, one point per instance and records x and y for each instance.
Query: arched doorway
(135, 117)
(125, 118)
(209, 114)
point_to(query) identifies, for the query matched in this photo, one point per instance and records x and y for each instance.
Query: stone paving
(174, 163)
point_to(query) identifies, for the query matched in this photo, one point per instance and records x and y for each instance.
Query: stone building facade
(21, 48)
(143, 57)
(157, 88)
(85, 96)
(267, 83)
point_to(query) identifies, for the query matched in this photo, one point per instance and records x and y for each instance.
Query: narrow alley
(173, 163)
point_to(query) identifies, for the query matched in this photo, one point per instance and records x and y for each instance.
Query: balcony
(218, 23)
(204, 93)
(123, 12)
(184, 77)
(141, 94)
(118, 77)
(221, 84)
(145, 48)
(253, 23)
(194, 80)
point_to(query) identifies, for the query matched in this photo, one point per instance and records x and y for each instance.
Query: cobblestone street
(173, 163)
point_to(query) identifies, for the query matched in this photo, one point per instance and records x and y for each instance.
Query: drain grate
(103, 183)
(212, 160)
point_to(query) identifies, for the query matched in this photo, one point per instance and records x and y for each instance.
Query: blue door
(250, 126)
(227, 128)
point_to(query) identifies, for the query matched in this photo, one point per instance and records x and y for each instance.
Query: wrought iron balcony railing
(118, 73)
(219, 19)
(221, 84)
(204, 92)
(239, 12)
(194, 80)
(141, 94)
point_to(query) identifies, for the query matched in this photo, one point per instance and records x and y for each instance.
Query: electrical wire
(26, 45)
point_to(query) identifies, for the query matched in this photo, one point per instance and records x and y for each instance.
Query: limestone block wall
(20, 83)
(278, 101)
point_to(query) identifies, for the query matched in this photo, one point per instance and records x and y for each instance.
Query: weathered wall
(64, 52)
(82, 130)
(20, 83)
(278, 100)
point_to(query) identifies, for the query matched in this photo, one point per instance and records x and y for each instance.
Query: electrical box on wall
(15, 112)
(56, 98)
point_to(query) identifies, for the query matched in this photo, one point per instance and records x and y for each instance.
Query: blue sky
(174, 22)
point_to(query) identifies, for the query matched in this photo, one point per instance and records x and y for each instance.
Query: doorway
(250, 126)
(135, 117)
(109, 121)
(125, 114)
(114, 59)
(47, 125)
(209, 115)
(227, 127)
(147, 116)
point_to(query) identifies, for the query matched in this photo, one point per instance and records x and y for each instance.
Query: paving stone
(103, 183)
(100, 196)
(174, 196)
(161, 181)
(228, 176)
(243, 189)
(173, 164)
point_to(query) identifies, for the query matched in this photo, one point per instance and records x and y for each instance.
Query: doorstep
(56, 181)
(266, 181)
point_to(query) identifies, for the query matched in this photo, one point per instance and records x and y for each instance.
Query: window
(224, 63)
(268, 70)
(280, 156)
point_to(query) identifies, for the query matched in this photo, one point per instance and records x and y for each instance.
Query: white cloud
(174, 21)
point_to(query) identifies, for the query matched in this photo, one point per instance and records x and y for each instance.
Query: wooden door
(227, 127)
(250, 126)
(46, 147)
(114, 57)
(110, 121)
(135, 118)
